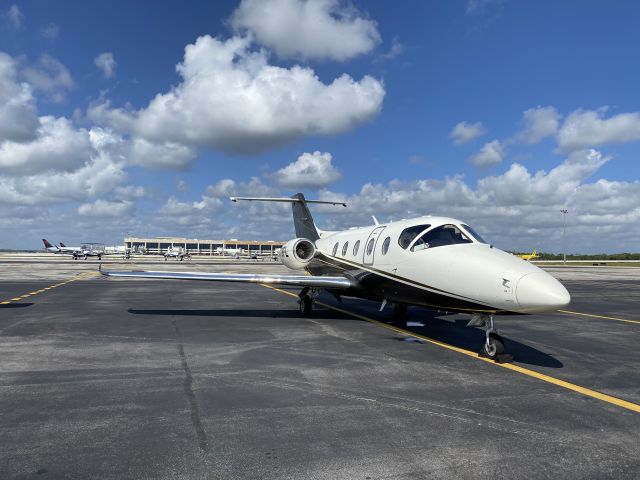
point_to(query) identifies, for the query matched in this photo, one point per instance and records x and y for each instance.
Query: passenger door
(370, 245)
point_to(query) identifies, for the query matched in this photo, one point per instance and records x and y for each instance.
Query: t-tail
(302, 219)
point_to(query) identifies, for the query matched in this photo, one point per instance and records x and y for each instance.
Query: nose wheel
(493, 346)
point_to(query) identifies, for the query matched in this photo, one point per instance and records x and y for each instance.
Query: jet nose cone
(539, 291)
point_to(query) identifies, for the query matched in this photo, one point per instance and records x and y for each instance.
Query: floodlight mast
(564, 212)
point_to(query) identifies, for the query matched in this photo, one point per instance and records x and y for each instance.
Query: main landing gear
(400, 315)
(306, 299)
(493, 346)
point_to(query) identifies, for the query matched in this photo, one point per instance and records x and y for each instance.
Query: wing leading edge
(291, 280)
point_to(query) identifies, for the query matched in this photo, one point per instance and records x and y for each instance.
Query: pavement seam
(525, 371)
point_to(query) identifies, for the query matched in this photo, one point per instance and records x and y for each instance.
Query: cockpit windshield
(439, 237)
(474, 234)
(408, 234)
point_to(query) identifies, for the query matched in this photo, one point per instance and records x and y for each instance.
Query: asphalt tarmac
(119, 378)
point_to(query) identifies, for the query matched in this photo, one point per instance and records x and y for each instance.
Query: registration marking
(509, 366)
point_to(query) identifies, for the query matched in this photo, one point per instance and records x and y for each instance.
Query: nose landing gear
(493, 346)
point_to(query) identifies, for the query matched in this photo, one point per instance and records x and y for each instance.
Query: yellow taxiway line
(599, 316)
(509, 366)
(80, 276)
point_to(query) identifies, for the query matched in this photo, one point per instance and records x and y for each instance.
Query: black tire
(306, 306)
(165, 258)
(400, 310)
(495, 348)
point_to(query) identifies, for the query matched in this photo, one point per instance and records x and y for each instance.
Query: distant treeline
(577, 256)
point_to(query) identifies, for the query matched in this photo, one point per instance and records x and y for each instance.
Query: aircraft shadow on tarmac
(453, 332)
(258, 313)
(16, 305)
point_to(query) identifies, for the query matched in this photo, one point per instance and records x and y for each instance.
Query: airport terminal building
(194, 246)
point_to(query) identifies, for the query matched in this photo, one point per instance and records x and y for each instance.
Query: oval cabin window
(385, 245)
(356, 247)
(335, 249)
(344, 248)
(370, 246)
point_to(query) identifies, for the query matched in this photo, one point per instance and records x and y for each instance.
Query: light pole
(564, 212)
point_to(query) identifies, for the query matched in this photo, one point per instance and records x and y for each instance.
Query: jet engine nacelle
(297, 253)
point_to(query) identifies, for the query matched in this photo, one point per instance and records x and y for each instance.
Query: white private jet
(436, 262)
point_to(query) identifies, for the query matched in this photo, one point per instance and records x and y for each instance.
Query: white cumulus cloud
(308, 29)
(588, 128)
(310, 170)
(465, 132)
(491, 153)
(58, 146)
(539, 123)
(18, 114)
(105, 208)
(519, 209)
(50, 76)
(106, 63)
(163, 155)
(230, 98)
(15, 17)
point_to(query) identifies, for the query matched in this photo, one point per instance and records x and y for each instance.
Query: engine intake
(297, 253)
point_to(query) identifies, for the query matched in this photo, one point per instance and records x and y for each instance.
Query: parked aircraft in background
(175, 252)
(230, 251)
(435, 262)
(529, 256)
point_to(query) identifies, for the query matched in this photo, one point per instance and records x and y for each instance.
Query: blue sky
(496, 112)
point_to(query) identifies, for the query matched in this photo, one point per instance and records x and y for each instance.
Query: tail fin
(302, 219)
(62, 245)
(47, 244)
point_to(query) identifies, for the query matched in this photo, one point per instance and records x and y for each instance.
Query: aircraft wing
(291, 280)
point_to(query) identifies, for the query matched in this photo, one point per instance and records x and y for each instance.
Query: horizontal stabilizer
(292, 280)
(284, 199)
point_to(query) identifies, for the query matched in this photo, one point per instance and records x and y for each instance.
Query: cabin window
(335, 249)
(385, 245)
(473, 233)
(356, 247)
(370, 246)
(408, 234)
(344, 248)
(439, 237)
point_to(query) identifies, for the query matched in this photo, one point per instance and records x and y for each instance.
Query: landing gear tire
(85, 257)
(400, 315)
(493, 346)
(306, 306)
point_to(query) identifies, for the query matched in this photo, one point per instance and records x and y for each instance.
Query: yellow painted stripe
(509, 366)
(73, 279)
(599, 316)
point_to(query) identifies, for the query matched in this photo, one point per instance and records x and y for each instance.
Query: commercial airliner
(436, 262)
(85, 250)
